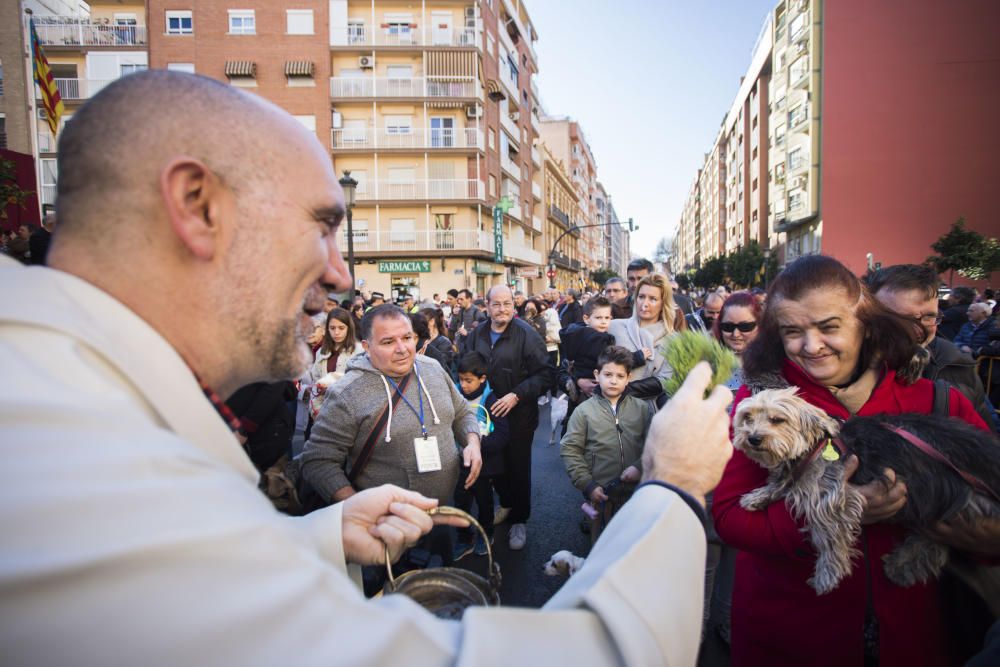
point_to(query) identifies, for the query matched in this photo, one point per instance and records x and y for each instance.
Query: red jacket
(777, 619)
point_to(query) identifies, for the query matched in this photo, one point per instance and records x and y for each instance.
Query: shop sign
(409, 266)
(485, 268)
(529, 271)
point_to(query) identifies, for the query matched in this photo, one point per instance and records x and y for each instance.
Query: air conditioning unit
(41, 114)
(473, 112)
(366, 62)
(470, 12)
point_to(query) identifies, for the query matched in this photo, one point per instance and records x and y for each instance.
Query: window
(491, 133)
(131, 68)
(242, 22)
(179, 23)
(399, 124)
(308, 122)
(181, 67)
(299, 21)
(442, 132)
(399, 71)
(3, 131)
(355, 31)
(49, 173)
(360, 229)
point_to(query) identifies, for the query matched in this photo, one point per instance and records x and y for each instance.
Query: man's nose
(337, 277)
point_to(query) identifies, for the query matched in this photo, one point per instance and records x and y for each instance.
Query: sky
(650, 82)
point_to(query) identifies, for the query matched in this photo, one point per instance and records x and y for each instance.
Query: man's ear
(194, 199)
(364, 345)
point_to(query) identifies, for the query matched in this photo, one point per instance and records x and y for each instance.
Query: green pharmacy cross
(502, 206)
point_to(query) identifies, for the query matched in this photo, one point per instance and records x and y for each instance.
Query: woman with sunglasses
(736, 327)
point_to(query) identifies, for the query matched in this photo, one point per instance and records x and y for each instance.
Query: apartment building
(794, 137)
(563, 211)
(565, 139)
(711, 203)
(86, 51)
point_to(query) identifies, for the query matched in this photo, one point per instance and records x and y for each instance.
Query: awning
(446, 105)
(241, 68)
(299, 68)
(494, 90)
(451, 64)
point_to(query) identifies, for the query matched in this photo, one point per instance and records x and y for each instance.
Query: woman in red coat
(823, 333)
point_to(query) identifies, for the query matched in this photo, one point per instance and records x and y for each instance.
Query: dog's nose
(755, 440)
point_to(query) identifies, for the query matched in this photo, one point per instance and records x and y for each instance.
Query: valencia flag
(43, 77)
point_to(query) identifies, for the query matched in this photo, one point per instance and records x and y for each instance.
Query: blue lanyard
(420, 396)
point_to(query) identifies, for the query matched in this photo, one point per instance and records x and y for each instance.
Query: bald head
(112, 152)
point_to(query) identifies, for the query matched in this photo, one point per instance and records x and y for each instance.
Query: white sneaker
(500, 515)
(517, 537)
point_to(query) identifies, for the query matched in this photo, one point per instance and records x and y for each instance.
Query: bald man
(197, 234)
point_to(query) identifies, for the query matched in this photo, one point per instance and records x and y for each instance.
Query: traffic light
(551, 273)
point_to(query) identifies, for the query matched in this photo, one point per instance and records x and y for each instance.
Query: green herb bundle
(685, 349)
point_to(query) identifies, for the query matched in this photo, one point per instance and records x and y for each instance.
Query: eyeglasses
(929, 320)
(506, 306)
(744, 327)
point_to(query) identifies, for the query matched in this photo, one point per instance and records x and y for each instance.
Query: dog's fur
(777, 429)
(563, 563)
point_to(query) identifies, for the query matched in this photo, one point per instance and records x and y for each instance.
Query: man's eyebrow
(334, 213)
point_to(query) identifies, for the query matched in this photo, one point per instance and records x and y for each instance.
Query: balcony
(522, 253)
(359, 35)
(510, 166)
(536, 123)
(425, 240)
(798, 73)
(508, 123)
(380, 138)
(536, 157)
(536, 191)
(388, 190)
(78, 89)
(536, 223)
(75, 31)
(559, 215)
(368, 87)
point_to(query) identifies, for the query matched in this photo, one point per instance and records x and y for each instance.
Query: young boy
(495, 433)
(603, 444)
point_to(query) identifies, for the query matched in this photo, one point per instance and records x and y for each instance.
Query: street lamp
(350, 187)
(767, 264)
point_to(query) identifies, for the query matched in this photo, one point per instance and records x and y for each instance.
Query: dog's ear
(816, 424)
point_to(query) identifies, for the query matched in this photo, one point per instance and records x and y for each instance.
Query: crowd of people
(147, 410)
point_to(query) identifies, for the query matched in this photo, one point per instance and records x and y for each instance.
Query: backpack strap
(941, 395)
(366, 450)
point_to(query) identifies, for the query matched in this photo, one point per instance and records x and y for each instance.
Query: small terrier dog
(804, 449)
(563, 563)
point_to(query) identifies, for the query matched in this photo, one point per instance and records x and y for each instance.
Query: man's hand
(472, 458)
(631, 474)
(586, 386)
(688, 442)
(881, 500)
(461, 331)
(648, 353)
(504, 405)
(319, 388)
(980, 537)
(598, 496)
(386, 515)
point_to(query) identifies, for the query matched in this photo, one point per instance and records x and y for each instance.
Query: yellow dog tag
(830, 452)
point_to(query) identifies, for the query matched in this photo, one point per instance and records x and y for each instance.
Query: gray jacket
(347, 417)
(958, 369)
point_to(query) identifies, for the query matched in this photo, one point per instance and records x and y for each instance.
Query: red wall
(911, 118)
(24, 175)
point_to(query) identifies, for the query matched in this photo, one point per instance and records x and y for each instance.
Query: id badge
(428, 456)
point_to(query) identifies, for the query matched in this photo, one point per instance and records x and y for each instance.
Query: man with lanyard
(519, 372)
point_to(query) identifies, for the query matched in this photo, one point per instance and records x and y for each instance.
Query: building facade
(563, 211)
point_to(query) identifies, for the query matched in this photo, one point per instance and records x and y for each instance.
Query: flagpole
(32, 106)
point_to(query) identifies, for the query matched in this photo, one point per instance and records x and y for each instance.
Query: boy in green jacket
(603, 444)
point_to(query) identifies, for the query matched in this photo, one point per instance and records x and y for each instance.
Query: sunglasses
(744, 327)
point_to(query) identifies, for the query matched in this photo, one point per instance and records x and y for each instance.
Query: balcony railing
(380, 138)
(536, 123)
(510, 125)
(559, 215)
(79, 89)
(73, 31)
(536, 156)
(536, 191)
(536, 223)
(364, 35)
(510, 166)
(425, 240)
(514, 212)
(405, 87)
(389, 190)
(522, 253)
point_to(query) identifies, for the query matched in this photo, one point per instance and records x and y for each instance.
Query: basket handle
(445, 510)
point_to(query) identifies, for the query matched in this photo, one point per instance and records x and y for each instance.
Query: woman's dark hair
(419, 321)
(737, 300)
(344, 317)
(434, 315)
(540, 304)
(888, 337)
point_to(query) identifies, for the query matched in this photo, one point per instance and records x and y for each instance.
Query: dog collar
(830, 448)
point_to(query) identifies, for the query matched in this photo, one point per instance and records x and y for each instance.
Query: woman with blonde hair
(655, 318)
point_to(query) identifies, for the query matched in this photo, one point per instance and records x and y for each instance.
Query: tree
(601, 276)
(684, 281)
(711, 274)
(11, 193)
(966, 251)
(663, 251)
